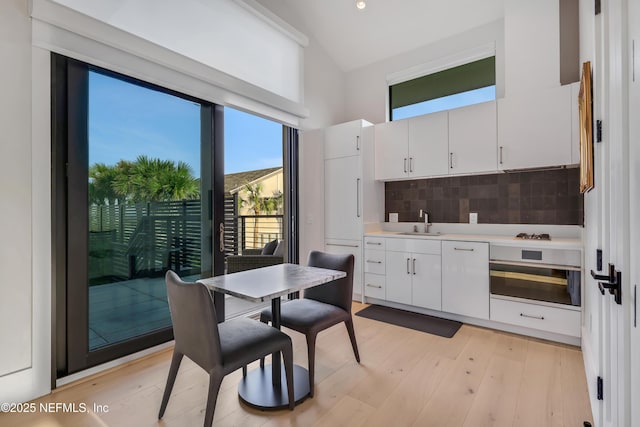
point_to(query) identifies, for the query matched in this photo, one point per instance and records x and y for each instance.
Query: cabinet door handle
(450, 160)
(358, 142)
(374, 243)
(374, 286)
(501, 154)
(340, 244)
(532, 317)
(408, 261)
(410, 164)
(463, 249)
(371, 261)
(413, 266)
(358, 197)
(405, 165)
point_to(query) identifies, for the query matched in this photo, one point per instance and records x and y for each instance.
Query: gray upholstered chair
(321, 306)
(221, 348)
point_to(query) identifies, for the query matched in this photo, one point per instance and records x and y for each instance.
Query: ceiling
(355, 38)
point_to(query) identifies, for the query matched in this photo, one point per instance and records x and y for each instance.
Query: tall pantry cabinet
(352, 198)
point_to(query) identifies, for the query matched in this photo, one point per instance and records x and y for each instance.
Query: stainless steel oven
(550, 275)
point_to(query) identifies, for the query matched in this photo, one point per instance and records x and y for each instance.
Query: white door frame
(634, 207)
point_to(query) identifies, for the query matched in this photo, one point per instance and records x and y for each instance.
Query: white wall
(366, 87)
(25, 256)
(324, 97)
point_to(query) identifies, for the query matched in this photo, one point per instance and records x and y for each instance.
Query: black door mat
(420, 322)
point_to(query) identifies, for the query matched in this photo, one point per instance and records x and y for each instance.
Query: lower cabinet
(465, 278)
(354, 247)
(536, 316)
(413, 272)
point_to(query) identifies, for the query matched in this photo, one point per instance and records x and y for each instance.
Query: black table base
(257, 389)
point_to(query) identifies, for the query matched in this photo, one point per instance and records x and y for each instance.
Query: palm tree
(149, 179)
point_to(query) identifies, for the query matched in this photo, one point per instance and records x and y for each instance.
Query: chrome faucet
(426, 220)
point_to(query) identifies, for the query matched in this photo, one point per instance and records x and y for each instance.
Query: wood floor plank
(479, 377)
(497, 396)
(405, 402)
(449, 406)
(540, 395)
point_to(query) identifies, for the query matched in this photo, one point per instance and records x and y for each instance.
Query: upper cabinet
(412, 148)
(343, 140)
(447, 142)
(472, 138)
(428, 141)
(537, 130)
(391, 150)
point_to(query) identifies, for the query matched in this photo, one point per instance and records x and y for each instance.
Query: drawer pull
(374, 243)
(374, 286)
(532, 317)
(340, 244)
(464, 249)
(374, 262)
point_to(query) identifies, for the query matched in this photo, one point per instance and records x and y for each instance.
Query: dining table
(266, 387)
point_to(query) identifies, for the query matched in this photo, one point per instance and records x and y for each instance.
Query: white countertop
(562, 237)
(558, 243)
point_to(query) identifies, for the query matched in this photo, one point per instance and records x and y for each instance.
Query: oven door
(540, 282)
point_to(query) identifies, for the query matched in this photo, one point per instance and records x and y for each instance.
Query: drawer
(374, 243)
(551, 319)
(419, 246)
(374, 261)
(374, 286)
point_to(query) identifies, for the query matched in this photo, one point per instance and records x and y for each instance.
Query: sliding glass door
(147, 180)
(137, 200)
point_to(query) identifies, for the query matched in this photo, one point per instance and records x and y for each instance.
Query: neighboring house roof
(234, 182)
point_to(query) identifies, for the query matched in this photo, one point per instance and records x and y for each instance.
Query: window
(466, 84)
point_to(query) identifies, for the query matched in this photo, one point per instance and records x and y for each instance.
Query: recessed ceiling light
(360, 4)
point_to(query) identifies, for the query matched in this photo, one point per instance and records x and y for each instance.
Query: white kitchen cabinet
(353, 247)
(374, 268)
(473, 139)
(413, 272)
(465, 278)
(537, 130)
(343, 140)
(343, 208)
(351, 195)
(428, 145)
(412, 148)
(391, 150)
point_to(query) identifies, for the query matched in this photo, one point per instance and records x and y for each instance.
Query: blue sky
(126, 120)
(475, 96)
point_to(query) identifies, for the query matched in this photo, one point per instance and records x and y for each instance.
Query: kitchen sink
(420, 233)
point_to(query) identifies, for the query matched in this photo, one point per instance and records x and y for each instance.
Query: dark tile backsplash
(532, 197)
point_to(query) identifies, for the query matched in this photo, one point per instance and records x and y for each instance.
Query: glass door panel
(144, 205)
(254, 198)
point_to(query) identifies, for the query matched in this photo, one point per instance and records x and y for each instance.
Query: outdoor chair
(218, 348)
(321, 306)
(271, 254)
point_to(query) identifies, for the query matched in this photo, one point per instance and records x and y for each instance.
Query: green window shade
(463, 78)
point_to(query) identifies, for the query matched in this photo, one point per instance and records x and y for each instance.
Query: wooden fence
(142, 239)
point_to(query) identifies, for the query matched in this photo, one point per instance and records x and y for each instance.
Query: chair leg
(311, 357)
(171, 379)
(244, 371)
(263, 320)
(215, 380)
(352, 336)
(287, 355)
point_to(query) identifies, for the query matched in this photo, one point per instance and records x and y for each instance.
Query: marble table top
(266, 283)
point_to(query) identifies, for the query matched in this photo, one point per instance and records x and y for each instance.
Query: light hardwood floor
(480, 377)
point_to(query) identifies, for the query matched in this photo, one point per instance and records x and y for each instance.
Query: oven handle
(532, 317)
